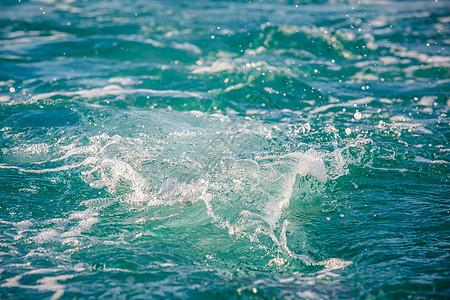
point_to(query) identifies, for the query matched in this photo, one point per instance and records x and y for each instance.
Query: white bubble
(12, 90)
(357, 115)
(348, 131)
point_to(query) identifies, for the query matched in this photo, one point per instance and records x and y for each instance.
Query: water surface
(224, 149)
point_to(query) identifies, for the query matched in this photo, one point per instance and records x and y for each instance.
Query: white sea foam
(4, 98)
(187, 46)
(334, 263)
(123, 80)
(34, 37)
(234, 87)
(47, 283)
(429, 161)
(427, 100)
(217, 66)
(349, 103)
(154, 43)
(48, 236)
(115, 90)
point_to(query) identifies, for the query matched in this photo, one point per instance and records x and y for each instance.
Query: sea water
(224, 149)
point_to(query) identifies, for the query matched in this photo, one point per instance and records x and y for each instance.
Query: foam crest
(217, 66)
(349, 103)
(110, 173)
(47, 283)
(115, 90)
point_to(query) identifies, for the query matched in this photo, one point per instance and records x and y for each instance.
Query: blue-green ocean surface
(224, 149)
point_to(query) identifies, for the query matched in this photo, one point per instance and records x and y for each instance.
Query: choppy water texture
(224, 149)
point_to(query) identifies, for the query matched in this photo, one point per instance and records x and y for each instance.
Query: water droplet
(357, 115)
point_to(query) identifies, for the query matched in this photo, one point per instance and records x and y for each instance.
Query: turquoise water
(224, 149)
